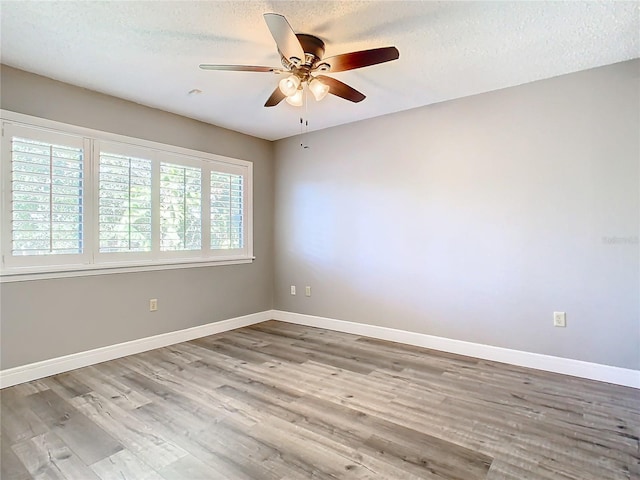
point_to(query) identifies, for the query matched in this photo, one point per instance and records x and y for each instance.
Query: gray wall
(476, 219)
(49, 318)
(473, 219)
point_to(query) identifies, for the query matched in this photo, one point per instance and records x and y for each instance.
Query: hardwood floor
(280, 401)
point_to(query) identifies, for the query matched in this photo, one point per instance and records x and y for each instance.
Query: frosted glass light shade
(289, 85)
(296, 98)
(318, 89)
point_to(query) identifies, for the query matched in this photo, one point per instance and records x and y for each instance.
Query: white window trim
(103, 263)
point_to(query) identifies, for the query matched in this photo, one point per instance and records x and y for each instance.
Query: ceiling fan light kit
(318, 89)
(296, 99)
(289, 85)
(302, 58)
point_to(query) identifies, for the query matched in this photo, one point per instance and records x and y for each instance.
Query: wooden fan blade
(276, 97)
(363, 58)
(239, 68)
(336, 87)
(285, 37)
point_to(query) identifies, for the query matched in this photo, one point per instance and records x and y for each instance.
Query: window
(77, 199)
(226, 210)
(180, 207)
(46, 191)
(124, 203)
(45, 221)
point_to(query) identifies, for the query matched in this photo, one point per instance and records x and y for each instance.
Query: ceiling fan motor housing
(312, 46)
(313, 49)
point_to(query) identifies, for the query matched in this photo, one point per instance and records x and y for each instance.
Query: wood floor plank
(136, 436)
(110, 387)
(278, 401)
(84, 437)
(67, 385)
(124, 465)
(191, 435)
(10, 465)
(230, 351)
(385, 440)
(189, 467)
(25, 389)
(47, 456)
(19, 423)
(338, 460)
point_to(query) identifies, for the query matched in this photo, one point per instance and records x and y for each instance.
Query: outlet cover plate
(559, 319)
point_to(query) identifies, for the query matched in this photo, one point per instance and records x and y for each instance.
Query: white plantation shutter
(124, 204)
(75, 199)
(180, 207)
(47, 195)
(227, 219)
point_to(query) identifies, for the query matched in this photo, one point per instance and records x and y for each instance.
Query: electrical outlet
(307, 291)
(559, 319)
(153, 304)
(293, 289)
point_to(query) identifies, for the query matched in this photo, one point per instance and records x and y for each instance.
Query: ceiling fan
(301, 56)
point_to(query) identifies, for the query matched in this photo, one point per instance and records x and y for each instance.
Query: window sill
(39, 273)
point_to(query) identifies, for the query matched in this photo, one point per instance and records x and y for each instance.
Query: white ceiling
(149, 51)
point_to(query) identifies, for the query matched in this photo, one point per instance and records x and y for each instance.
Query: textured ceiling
(148, 52)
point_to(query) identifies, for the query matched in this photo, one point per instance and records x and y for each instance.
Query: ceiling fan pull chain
(306, 114)
(306, 131)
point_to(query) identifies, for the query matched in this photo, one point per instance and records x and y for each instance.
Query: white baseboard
(566, 366)
(45, 368)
